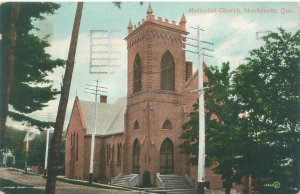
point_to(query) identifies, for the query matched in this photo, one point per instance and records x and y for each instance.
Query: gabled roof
(110, 117)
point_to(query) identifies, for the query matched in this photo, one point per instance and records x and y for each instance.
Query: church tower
(157, 75)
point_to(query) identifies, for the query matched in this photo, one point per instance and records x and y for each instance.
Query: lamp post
(26, 149)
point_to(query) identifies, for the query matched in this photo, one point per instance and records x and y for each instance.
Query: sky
(232, 28)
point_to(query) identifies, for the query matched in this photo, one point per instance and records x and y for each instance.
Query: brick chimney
(103, 99)
(188, 70)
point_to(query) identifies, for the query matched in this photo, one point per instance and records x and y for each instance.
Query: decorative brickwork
(154, 116)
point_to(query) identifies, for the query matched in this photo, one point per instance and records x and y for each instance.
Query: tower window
(137, 74)
(167, 76)
(136, 125)
(167, 124)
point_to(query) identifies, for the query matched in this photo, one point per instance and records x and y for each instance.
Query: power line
(95, 90)
(200, 52)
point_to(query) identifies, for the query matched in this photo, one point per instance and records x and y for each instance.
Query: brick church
(140, 132)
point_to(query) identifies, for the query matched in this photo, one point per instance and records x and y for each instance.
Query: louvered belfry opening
(137, 74)
(167, 76)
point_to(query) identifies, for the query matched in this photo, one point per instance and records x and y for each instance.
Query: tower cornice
(149, 23)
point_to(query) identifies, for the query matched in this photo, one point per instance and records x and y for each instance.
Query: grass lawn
(16, 190)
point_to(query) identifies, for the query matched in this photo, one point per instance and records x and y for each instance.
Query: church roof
(110, 117)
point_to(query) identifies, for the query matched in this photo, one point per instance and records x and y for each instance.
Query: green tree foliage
(14, 141)
(223, 143)
(36, 152)
(30, 90)
(262, 142)
(267, 86)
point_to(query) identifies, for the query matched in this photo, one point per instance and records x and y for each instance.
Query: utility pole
(95, 90)
(53, 160)
(201, 154)
(46, 154)
(27, 149)
(47, 147)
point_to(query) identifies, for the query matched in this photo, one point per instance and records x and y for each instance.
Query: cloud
(116, 82)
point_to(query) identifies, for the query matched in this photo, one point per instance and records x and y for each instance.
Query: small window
(167, 124)
(136, 125)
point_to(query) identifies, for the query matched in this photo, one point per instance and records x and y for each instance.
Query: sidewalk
(61, 187)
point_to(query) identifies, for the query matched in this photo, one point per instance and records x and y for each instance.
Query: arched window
(136, 125)
(167, 72)
(167, 157)
(107, 154)
(119, 154)
(137, 74)
(77, 147)
(72, 139)
(167, 124)
(136, 157)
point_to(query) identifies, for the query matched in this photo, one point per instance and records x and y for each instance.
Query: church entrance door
(136, 157)
(167, 157)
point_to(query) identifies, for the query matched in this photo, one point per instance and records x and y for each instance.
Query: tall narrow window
(119, 154)
(77, 147)
(108, 154)
(167, 72)
(137, 74)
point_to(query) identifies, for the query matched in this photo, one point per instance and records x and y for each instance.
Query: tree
(223, 143)
(25, 86)
(267, 87)
(14, 141)
(262, 141)
(53, 159)
(6, 79)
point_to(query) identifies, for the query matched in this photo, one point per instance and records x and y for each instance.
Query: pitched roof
(110, 117)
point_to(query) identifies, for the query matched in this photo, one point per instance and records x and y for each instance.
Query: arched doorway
(167, 157)
(136, 157)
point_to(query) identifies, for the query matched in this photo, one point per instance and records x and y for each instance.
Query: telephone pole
(201, 155)
(53, 160)
(95, 90)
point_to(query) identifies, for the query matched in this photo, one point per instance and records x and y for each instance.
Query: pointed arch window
(167, 124)
(137, 74)
(167, 75)
(108, 154)
(77, 146)
(136, 125)
(119, 154)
